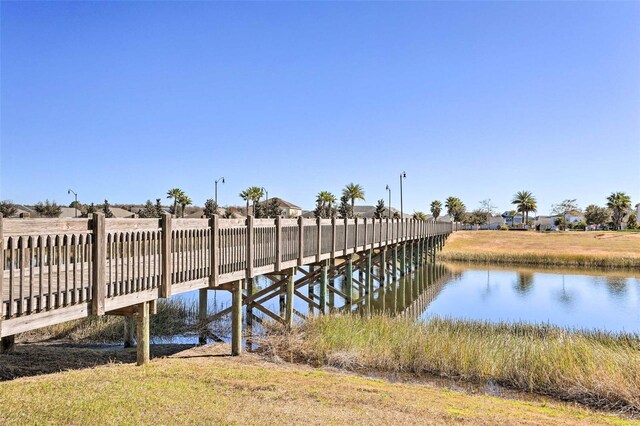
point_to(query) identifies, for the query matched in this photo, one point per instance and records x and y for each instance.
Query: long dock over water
(58, 270)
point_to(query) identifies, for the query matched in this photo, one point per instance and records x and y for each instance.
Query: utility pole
(75, 205)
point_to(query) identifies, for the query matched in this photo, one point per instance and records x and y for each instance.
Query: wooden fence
(56, 270)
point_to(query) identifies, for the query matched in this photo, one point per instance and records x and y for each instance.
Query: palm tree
(353, 192)
(419, 216)
(175, 193)
(436, 208)
(326, 199)
(619, 203)
(525, 203)
(253, 194)
(455, 208)
(184, 201)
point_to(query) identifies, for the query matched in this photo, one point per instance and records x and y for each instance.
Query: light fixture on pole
(403, 176)
(75, 205)
(389, 191)
(216, 193)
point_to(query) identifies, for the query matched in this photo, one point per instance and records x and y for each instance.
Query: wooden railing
(72, 268)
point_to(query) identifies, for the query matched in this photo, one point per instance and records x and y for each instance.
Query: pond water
(573, 298)
(605, 300)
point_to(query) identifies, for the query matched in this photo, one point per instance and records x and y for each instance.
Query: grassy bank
(597, 369)
(591, 249)
(201, 387)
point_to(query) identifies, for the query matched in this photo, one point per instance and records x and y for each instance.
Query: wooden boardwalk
(57, 270)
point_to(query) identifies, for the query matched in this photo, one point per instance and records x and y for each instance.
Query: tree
(419, 216)
(324, 203)
(563, 209)
(106, 209)
(596, 215)
(159, 209)
(353, 192)
(272, 208)
(525, 202)
(632, 222)
(253, 194)
(48, 209)
(619, 203)
(175, 193)
(210, 208)
(455, 208)
(436, 209)
(488, 209)
(561, 222)
(148, 211)
(184, 201)
(7, 208)
(380, 209)
(345, 210)
(91, 209)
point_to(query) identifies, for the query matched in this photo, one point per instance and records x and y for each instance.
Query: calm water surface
(580, 299)
(609, 301)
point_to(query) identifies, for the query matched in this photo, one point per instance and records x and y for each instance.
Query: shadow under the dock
(35, 359)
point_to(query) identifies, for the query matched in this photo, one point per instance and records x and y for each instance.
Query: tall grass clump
(596, 368)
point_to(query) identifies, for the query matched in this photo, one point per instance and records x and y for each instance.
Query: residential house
(288, 209)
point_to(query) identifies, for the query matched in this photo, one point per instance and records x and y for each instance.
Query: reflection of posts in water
(332, 298)
(349, 282)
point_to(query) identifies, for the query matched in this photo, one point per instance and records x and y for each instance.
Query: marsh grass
(595, 368)
(583, 249)
(546, 259)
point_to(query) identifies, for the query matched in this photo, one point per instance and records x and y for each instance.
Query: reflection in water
(542, 296)
(537, 296)
(524, 283)
(617, 286)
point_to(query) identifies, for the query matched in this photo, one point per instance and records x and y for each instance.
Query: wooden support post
(383, 266)
(311, 290)
(167, 262)
(346, 234)
(214, 252)
(411, 254)
(332, 296)
(300, 241)
(249, 287)
(202, 316)
(129, 331)
(319, 239)
(349, 280)
(278, 243)
(290, 294)
(333, 240)
(403, 260)
(236, 319)
(98, 265)
(394, 266)
(250, 254)
(142, 331)
(323, 287)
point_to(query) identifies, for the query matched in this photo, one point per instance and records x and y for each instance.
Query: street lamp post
(267, 194)
(389, 207)
(216, 193)
(75, 205)
(403, 176)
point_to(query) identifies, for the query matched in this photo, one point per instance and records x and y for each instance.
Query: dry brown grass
(595, 368)
(604, 249)
(201, 387)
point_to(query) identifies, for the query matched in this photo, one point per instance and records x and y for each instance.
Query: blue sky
(479, 100)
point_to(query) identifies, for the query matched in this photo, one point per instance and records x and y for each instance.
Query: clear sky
(479, 100)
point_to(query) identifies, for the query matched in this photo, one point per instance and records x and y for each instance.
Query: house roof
(283, 203)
